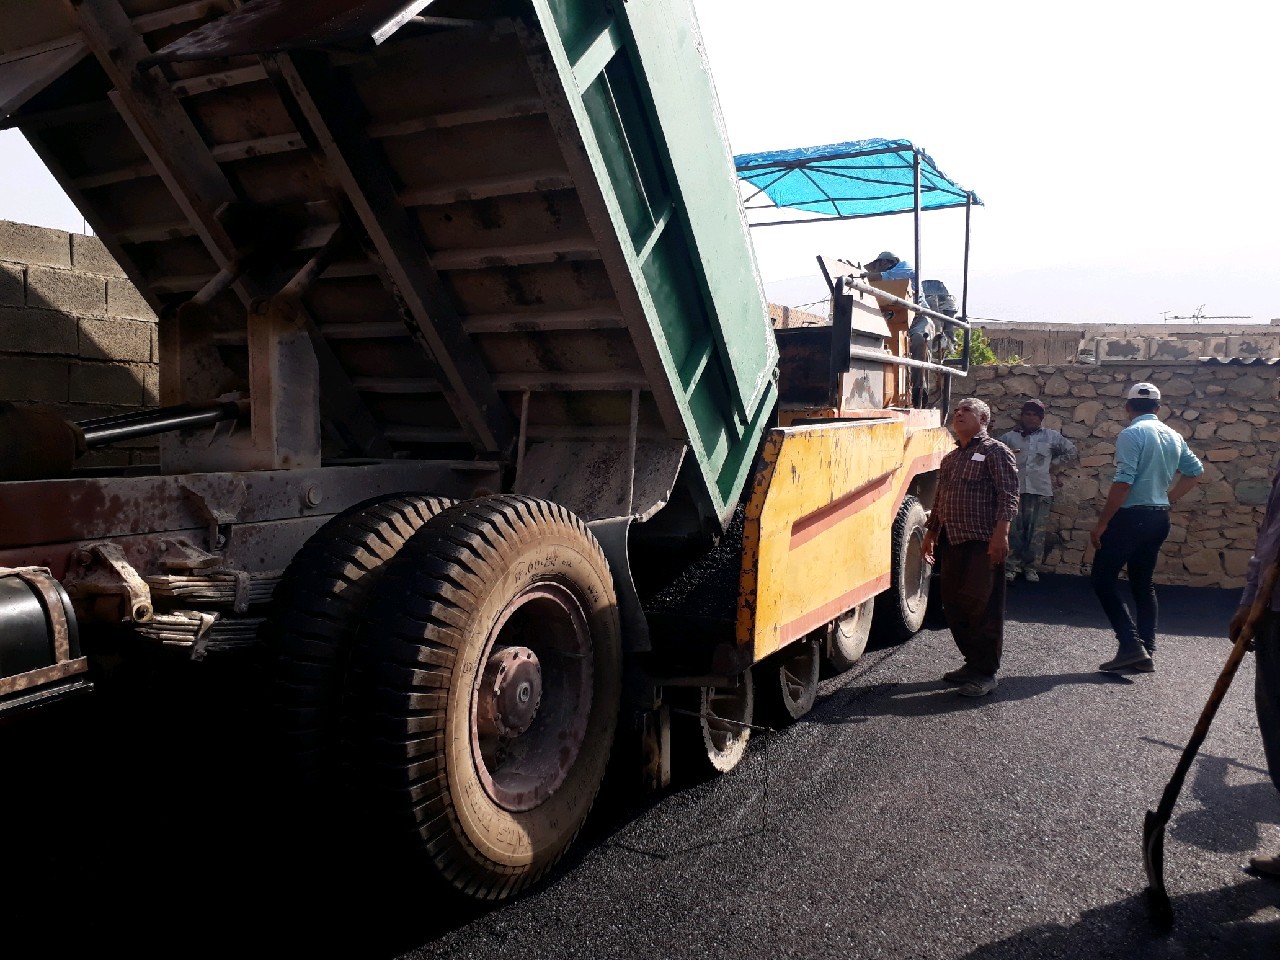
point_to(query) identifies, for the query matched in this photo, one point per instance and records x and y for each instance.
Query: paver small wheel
(788, 681)
(847, 636)
(711, 726)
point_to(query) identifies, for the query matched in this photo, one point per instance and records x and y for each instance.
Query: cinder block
(1111, 348)
(90, 255)
(37, 331)
(120, 340)
(66, 290)
(1216, 347)
(35, 380)
(124, 300)
(151, 384)
(106, 383)
(23, 243)
(13, 285)
(1173, 351)
(1249, 347)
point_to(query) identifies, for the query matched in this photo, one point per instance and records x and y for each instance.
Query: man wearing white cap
(1135, 522)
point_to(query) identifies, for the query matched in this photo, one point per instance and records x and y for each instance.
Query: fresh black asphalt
(896, 820)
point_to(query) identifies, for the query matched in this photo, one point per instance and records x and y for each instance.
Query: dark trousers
(973, 600)
(1266, 690)
(1133, 538)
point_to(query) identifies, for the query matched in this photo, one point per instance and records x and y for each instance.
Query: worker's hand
(1096, 536)
(1237, 624)
(926, 548)
(998, 548)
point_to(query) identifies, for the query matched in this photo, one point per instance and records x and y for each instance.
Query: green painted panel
(577, 22)
(644, 107)
(669, 47)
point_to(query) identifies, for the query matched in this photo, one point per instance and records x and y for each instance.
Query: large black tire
(900, 610)
(312, 629)
(787, 682)
(493, 675)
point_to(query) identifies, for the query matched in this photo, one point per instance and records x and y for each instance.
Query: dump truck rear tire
(900, 610)
(847, 636)
(312, 628)
(788, 681)
(494, 669)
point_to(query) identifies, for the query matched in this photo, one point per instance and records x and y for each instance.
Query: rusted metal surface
(54, 600)
(593, 479)
(509, 694)
(62, 636)
(42, 677)
(100, 571)
(70, 511)
(272, 26)
(540, 646)
(353, 164)
(475, 275)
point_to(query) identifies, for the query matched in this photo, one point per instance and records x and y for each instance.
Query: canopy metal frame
(964, 198)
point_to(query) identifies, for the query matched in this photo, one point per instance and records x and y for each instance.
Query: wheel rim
(724, 711)
(915, 572)
(798, 676)
(531, 698)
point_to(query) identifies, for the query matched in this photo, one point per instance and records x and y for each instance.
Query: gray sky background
(1124, 150)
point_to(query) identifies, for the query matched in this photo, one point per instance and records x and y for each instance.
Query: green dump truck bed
(524, 213)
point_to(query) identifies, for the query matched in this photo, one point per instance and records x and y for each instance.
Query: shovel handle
(1261, 602)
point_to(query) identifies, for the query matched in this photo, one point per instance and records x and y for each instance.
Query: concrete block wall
(1048, 343)
(75, 334)
(1229, 415)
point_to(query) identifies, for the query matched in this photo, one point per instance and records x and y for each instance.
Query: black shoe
(979, 686)
(1137, 661)
(959, 675)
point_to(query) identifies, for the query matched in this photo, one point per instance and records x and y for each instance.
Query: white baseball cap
(1143, 391)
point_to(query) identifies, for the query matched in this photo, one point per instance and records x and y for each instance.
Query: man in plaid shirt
(976, 501)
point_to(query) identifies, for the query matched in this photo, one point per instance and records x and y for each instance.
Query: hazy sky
(1124, 150)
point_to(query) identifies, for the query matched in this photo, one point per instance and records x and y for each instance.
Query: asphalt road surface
(896, 820)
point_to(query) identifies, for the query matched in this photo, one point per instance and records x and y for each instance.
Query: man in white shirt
(1037, 449)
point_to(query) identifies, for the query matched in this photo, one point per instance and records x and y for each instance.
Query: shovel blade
(1158, 903)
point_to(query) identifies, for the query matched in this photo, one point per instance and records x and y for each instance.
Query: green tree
(981, 353)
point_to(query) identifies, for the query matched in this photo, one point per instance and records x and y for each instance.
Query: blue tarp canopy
(842, 181)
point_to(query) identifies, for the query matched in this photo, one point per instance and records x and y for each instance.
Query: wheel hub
(531, 702)
(510, 692)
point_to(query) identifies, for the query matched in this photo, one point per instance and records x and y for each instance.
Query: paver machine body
(464, 359)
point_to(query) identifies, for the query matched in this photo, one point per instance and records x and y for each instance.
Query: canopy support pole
(915, 176)
(964, 288)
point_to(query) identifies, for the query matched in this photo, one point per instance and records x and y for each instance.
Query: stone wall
(74, 333)
(1226, 411)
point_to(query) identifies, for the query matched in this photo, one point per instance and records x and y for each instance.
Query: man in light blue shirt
(1135, 522)
(889, 267)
